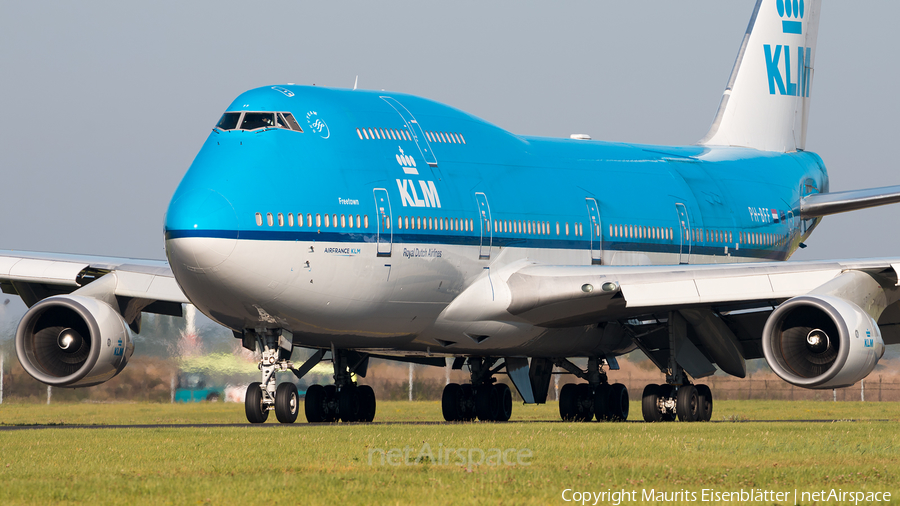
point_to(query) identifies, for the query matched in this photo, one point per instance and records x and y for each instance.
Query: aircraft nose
(201, 229)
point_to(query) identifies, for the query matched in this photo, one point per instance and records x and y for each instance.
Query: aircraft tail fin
(766, 102)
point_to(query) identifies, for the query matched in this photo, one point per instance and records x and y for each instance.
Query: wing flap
(31, 270)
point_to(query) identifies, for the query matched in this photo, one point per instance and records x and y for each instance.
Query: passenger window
(280, 219)
(269, 219)
(327, 221)
(255, 120)
(399, 222)
(290, 220)
(463, 139)
(357, 221)
(343, 222)
(308, 220)
(258, 220)
(365, 133)
(366, 221)
(387, 223)
(350, 220)
(334, 220)
(318, 220)
(359, 133)
(229, 121)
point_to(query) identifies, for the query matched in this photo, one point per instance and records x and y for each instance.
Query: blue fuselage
(379, 179)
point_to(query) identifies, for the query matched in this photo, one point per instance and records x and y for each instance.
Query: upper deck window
(252, 120)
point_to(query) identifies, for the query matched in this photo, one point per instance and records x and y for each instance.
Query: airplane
(369, 224)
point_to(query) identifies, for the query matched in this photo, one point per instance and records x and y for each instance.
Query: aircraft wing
(727, 305)
(35, 276)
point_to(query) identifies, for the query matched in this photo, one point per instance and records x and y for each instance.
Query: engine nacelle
(821, 341)
(73, 341)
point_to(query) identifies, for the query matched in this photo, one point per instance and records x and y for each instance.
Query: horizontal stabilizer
(822, 204)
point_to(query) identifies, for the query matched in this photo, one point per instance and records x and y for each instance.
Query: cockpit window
(252, 120)
(292, 123)
(229, 121)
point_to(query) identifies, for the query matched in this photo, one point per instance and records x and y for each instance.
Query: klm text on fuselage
(409, 197)
(785, 78)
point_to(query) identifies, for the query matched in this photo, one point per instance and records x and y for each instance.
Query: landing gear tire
(287, 403)
(367, 403)
(650, 404)
(348, 404)
(467, 406)
(601, 401)
(330, 404)
(504, 397)
(584, 407)
(568, 398)
(487, 403)
(452, 403)
(706, 403)
(314, 404)
(617, 402)
(687, 405)
(257, 412)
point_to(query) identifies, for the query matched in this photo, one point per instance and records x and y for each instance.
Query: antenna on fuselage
(356, 82)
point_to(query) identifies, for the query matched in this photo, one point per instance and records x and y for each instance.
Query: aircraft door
(484, 213)
(685, 235)
(415, 131)
(596, 231)
(383, 233)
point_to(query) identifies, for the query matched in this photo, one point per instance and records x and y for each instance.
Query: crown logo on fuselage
(407, 162)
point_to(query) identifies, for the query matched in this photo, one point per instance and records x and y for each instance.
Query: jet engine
(73, 341)
(821, 342)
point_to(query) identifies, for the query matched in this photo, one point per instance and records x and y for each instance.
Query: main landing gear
(598, 399)
(689, 403)
(678, 398)
(344, 400)
(482, 398)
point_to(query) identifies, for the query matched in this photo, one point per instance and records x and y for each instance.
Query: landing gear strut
(264, 396)
(482, 398)
(598, 399)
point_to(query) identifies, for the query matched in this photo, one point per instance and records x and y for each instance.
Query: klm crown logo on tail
(766, 101)
(791, 9)
(780, 75)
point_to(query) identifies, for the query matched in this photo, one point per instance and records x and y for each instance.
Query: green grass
(302, 464)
